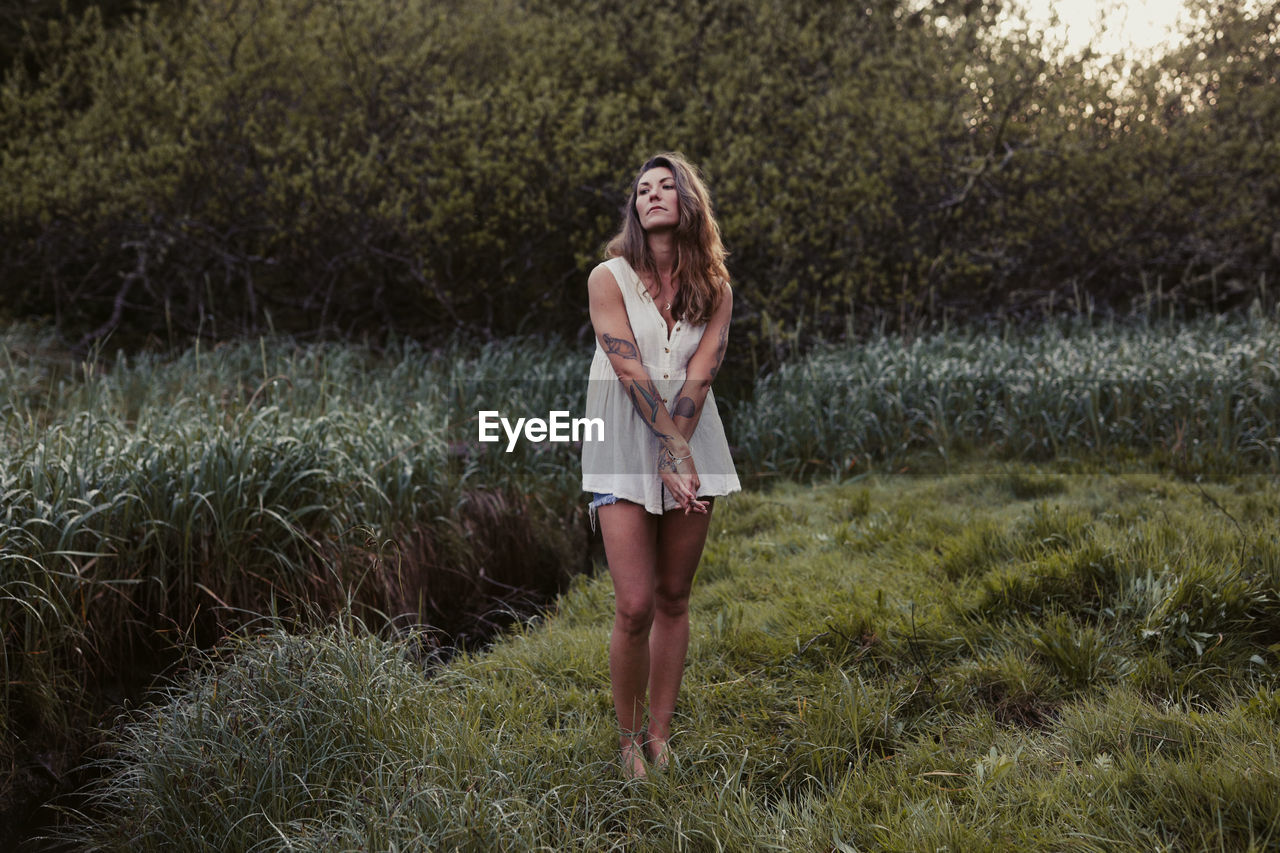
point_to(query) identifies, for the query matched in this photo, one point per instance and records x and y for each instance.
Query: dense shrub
(20, 18)
(416, 165)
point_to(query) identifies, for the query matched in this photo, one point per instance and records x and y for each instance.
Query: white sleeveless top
(625, 464)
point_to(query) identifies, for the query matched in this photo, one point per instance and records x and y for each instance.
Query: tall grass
(841, 694)
(151, 504)
(1196, 397)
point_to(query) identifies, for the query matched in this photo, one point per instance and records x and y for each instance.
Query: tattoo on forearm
(684, 408)
(721, 346)
(620, 346)
(645, 397)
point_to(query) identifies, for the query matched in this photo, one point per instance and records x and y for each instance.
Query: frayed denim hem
(599, 499)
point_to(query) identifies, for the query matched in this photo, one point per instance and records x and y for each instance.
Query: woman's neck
(662, 246)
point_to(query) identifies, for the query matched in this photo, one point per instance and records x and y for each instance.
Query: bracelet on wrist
(673, 459)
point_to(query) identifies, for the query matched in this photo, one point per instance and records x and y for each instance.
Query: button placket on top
(670, 335)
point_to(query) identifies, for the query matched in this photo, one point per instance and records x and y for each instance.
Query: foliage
(421, 165)
(22, 22)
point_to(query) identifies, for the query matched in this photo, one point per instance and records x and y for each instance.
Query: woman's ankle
(657, 749)
(632, 750)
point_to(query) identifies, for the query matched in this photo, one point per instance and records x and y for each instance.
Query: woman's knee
(672, 602)
(634, 617)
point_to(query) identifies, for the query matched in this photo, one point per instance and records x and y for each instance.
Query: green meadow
(987, 588)
(1006, 659)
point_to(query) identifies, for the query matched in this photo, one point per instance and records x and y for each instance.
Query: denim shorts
(599, 499)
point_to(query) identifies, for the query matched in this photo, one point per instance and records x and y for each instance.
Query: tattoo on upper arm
(721, 346)
(684, 408)
(620, 346)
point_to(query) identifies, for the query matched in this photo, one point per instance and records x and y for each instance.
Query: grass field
(151, 505)
(1007, 659)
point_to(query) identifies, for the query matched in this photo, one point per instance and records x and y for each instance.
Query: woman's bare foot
(658, 751)
(633, 759)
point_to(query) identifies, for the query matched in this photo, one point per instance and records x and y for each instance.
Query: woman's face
(657, 204)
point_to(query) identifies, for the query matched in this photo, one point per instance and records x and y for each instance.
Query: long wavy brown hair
(700, 273)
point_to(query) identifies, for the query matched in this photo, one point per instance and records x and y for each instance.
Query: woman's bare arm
(703, 367)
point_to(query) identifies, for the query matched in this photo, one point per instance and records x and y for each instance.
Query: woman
(660, 307)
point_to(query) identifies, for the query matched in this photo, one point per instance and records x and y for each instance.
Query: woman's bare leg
(630, 546)
(680, 541)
